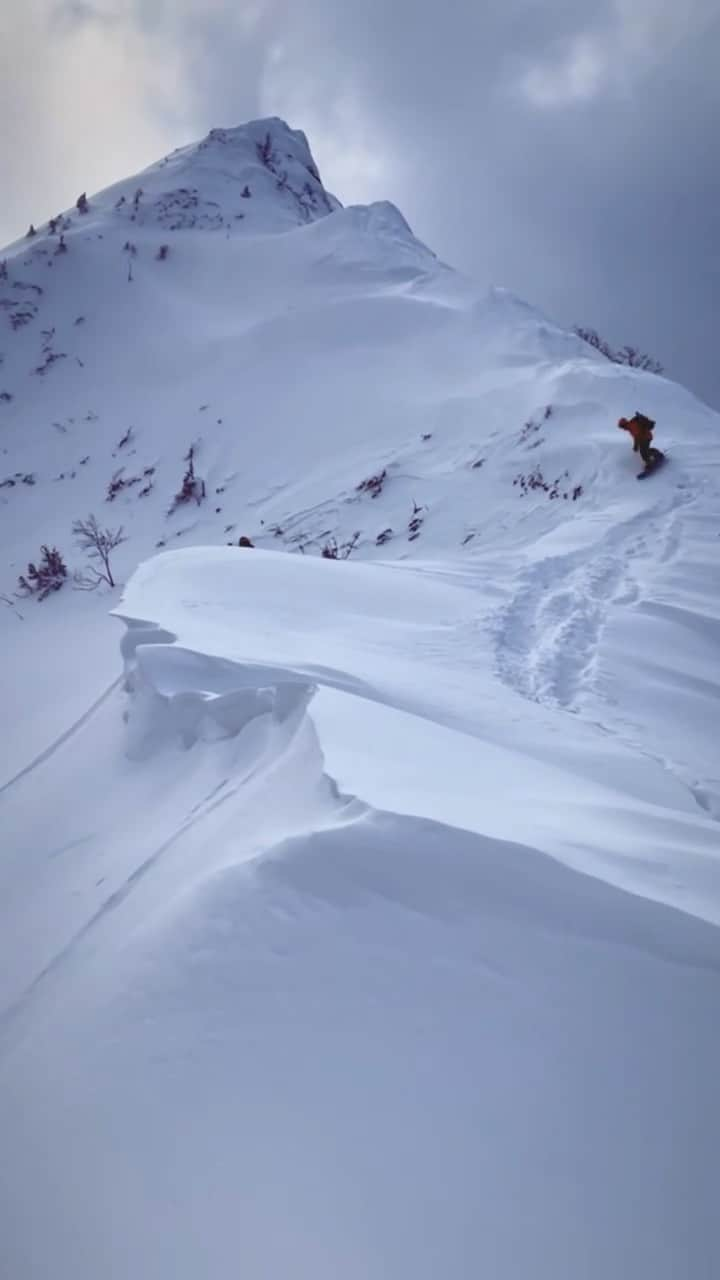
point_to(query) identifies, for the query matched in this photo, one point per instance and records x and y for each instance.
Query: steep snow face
(374, 879)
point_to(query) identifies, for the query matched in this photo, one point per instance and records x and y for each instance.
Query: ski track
(547, 639)
(63, 738)
(343, 808)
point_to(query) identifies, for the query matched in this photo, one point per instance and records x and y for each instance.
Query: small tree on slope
(49, 575)
(99, 543)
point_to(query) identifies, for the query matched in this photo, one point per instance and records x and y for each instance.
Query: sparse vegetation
(147, 488)
(373, 485)
(331, 550)
(131, 250)
(265, 151)
(100, 544)
(42, 579)
(120, 482)
(628, 355)
(535, 480)
(416, 522)
(51, 358)
(193, 487)
(24, 315)
(530, 428)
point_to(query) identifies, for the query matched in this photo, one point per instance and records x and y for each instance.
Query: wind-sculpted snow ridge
(181, 697)
(407, 713)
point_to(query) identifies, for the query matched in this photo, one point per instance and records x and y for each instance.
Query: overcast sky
(566, 149)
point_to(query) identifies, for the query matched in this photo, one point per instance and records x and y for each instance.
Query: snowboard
(654, 466)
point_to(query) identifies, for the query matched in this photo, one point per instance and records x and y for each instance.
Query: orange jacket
(639, 429)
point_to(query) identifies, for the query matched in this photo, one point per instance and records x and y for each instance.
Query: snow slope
(360, 917)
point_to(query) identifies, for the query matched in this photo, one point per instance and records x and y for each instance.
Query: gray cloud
(69, 14)
(565, 150)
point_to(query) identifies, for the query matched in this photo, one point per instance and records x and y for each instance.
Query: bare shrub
(331, 550)
(120, 482)
(42, 579)
(99, 543)
(415, 522)
(373, 484)
(192, 488)
(265, 151)
(628, 355)
(557, 488)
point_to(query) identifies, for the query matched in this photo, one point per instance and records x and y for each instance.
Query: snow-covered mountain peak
(375, 880)
(258, 177)
(264, 161)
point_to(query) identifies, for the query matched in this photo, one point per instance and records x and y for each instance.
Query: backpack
(643, 421)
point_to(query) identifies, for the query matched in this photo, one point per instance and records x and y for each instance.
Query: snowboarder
(641, 430)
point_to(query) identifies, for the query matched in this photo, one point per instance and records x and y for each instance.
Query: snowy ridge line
(448, 872)
(396, 673)
(183, 696)
(205, 644)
